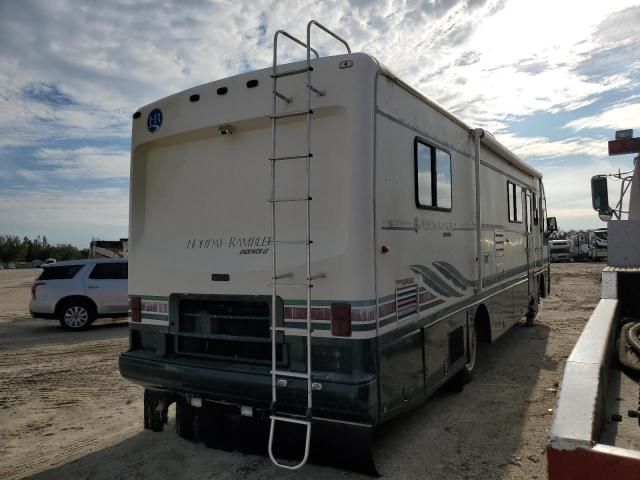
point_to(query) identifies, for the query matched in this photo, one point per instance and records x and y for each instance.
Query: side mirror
(600, 197)
(552, 225)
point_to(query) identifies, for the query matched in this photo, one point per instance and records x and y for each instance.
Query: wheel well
(74, 298)
(483, 324)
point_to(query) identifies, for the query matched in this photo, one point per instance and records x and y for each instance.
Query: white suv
(76, 292)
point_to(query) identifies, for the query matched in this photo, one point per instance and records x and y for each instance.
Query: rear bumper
(352, 401)
(48, 316)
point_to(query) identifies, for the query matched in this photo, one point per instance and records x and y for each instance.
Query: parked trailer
(331, 255)
(589, 245)
(560, 250)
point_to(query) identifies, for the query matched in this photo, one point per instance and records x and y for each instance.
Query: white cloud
(84, 163)
(65, 214)
(618, 117)
(488, 61)
(543, 147)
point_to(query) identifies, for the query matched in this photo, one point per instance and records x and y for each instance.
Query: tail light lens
(135, 305)
(34, 287)
(341, 319)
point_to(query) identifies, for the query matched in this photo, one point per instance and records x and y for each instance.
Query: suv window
(110, 271)
(59, 273)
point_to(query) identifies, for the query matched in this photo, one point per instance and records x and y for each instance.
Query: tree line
(13, 249)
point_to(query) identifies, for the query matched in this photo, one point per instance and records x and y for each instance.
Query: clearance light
(341, 319)
(135, 305)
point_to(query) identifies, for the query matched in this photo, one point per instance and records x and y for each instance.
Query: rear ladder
(279, 278)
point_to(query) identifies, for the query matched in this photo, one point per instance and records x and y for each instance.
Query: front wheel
(77, 315)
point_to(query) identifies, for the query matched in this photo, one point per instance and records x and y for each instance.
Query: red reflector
(135, 305)
(341, 319)
(34, 287)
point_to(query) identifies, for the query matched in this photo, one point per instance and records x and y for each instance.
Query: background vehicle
(108, 248)
(589, 245)
(560, 250)
(50, 261)
(76, 292)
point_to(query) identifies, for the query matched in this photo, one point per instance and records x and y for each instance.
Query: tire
(155, 411)
(532, 310)
(464, 376)
(77, 315)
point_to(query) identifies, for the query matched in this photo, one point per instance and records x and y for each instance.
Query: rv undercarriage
(234, 427)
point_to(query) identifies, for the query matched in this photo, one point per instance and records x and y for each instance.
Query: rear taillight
(34, 287)
(135, 305)
(341, 319)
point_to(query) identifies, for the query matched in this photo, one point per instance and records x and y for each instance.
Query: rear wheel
(77, 315)
(465, 375)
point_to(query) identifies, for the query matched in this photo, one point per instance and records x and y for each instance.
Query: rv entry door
(529, 245)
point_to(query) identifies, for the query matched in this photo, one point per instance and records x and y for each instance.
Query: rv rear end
(200, 248)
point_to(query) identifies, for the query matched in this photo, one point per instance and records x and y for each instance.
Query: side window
(110, 271)
(433, 177)
(534, 209)
(514, 199)
(59, 273)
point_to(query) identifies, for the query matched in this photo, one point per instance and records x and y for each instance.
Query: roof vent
(252, 83)
(222, 91)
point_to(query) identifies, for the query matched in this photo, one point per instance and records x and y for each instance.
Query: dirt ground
(65, 412)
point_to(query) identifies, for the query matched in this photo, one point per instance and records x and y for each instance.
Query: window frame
(512, 198)
(98, 265)
(57, 268)
(434, 176)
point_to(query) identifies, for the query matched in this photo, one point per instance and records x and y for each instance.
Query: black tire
(77, 315)
(532, 310)
(464, 376)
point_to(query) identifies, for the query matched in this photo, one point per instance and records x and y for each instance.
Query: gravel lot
(66, 413)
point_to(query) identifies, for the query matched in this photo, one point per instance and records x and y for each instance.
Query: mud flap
(156, 406)
(335, 444)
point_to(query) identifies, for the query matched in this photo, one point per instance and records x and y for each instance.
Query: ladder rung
(317, 276)
(291, 331)
(278, 418)
(290, 157)
(284, 373)
(288, 73)
(297, 113)
(293, 242)
(289, 199)
(301, 285)
(282, 275)
(283, 97)
(317, 91)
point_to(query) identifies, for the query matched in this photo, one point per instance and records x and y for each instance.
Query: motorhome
(108, 248)
(334, 245)
(560, 250)
(589, 245)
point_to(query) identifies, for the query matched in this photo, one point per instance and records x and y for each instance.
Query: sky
(552, 80)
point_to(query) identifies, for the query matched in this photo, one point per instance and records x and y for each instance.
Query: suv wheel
(77, 315)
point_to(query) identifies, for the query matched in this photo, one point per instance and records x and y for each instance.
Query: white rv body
(200, 226)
